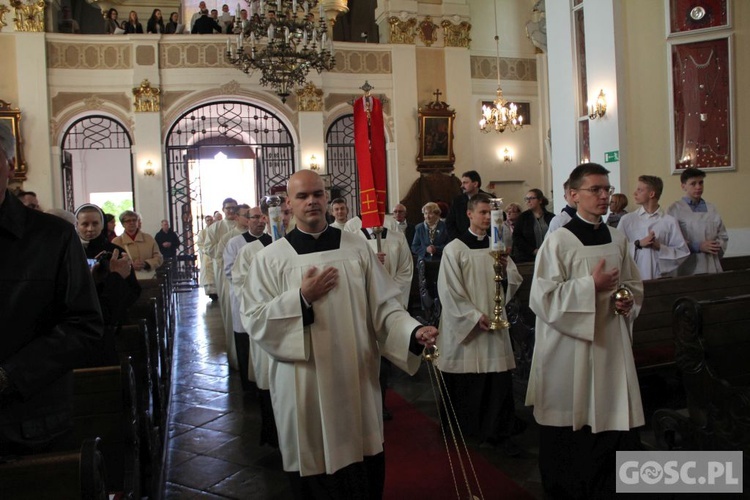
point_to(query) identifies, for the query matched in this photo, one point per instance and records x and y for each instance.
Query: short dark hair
(653, 182)
(474, 176)
(228, 200)
(21, 194)
(338, 200)
(566, 185)
(476, 200)
(109, 217)
(583, 170)
(243, 205)
(691, 172)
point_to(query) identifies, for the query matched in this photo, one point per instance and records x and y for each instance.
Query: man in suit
(457, 220)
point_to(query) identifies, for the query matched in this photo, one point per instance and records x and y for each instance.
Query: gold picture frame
(13, 117)
(436, 137)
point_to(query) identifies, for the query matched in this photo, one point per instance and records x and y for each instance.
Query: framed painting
(702, 127)
(436, 137)
(12, 119)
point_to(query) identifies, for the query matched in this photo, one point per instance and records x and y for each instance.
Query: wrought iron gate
(226, 124)
(87, 133)
(342, 162)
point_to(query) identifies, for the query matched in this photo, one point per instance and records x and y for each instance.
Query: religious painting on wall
(701, 105)
(436, 137)
(689, 16)
(12, 119)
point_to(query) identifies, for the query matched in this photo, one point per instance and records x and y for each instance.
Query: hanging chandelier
(284, 40)
(502, 114)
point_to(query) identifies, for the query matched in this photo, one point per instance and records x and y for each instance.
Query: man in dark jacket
(457, 220)
(49, 315)
(167, 240)
(205, 25)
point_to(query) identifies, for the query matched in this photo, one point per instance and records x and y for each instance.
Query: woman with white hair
(431, 236)
(141, 247)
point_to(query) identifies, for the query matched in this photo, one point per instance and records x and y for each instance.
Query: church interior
(173, 124)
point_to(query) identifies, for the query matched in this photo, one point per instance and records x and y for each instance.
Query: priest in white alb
(583, 384)
(656, 242)
(322, 305)
(474, 359)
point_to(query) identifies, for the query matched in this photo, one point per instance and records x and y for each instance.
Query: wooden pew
(74, 475)
(712, 342)
(104, 407)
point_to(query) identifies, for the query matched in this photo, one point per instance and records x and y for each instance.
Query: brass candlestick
(498, 322)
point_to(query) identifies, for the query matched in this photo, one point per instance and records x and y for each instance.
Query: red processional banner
(369, 145)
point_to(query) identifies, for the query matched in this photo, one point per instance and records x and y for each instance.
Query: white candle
(277, 229)
(237, 12)
(496, 231)
(229, 46)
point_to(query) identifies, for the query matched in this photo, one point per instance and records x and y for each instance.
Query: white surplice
(583, 371)
(398, 260)
(697, 227)
(206, 276)
(259, 361)
(672, 252)
(231, 251)
(324, 376)
(467, 290)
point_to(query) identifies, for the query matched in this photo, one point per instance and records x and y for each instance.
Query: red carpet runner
(416, 463)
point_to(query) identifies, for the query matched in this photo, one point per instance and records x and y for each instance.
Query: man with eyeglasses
(457, 220)
(402, 226)
(252, 223)
(583, 384)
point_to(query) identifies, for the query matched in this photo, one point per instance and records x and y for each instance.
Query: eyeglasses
(597, 190)
(529, 198)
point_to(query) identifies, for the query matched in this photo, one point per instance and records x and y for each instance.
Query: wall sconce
(314, 165)
(149, 170)
(599, 108)
(507, 155)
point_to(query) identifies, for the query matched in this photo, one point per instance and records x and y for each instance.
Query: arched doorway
(242, 148)
(97, 164)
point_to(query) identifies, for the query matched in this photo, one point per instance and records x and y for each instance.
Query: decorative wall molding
(485, 68)
(402, 31)
(427, 31)
(193, 55)
(89, 56)
(456, 35)
(362, 61)
(98, 104)
(89, 102)
(231, 88)
(145, 55)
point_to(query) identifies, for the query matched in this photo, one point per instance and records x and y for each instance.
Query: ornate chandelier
(284, 40)
(502, 114)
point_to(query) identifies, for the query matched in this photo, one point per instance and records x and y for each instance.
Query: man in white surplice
(321, 304)
(583, 384)
(475, 360)
(701, 225)
(656, 242)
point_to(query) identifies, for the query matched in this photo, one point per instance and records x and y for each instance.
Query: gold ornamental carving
(402, 32)
(93, 103)
(3, 10)
(456, 35)
(427, 31)
(310, 98)
(147, 98)
(29, 16)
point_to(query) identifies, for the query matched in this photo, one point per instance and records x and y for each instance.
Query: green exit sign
(611, 156)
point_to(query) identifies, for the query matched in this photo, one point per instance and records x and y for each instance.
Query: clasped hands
(650, 241)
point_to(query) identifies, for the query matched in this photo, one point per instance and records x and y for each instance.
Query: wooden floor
(214, 426)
